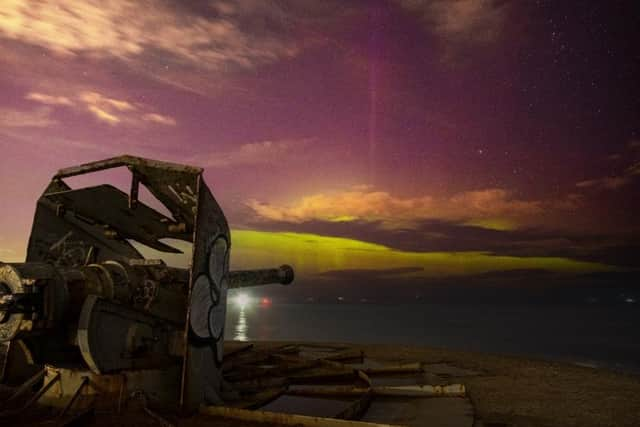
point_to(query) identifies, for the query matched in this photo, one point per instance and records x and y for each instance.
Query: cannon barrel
(245, 278)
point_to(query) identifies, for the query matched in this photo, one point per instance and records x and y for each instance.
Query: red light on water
(265, 301)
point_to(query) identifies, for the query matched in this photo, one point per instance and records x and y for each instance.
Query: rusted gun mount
(86, 303)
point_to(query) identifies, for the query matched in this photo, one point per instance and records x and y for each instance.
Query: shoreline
(604, 338)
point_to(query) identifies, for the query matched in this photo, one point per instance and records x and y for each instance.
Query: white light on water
(242, 300)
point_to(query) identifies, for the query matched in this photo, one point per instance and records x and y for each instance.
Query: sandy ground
(511, 391)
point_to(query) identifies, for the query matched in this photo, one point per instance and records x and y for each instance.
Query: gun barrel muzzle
(245, 278)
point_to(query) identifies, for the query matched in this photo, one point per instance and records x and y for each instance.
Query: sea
(585, 333)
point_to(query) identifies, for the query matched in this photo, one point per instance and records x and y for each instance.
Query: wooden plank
(328, 392)
(453, 390)
(282, 418)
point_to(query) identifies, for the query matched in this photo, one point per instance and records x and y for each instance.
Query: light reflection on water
(240, 331)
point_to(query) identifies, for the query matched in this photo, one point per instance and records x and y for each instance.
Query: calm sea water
(598, 336)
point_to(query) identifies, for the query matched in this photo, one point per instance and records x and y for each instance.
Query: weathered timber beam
(453, 390)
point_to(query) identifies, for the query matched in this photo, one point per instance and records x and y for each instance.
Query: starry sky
(410, 142)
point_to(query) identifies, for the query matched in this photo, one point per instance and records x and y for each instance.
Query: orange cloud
(105, 109)
(94, 98)
(364, 204)
(48, 99)
(160, 119)
(103, 115)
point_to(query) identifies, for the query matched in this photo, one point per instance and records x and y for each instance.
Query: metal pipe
(245, 278)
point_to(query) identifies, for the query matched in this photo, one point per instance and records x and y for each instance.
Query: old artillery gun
(87, 315)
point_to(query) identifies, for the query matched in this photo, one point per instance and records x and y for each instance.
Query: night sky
(405, 143)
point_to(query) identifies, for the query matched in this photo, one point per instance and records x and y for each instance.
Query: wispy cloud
(34, 118)
(370, 205)
(605, 183)
(216, 37)
(103, 108)
(615, 180)
(461, 23)
(261, 152)
(159, 118)
(201, 47)
(48, 99)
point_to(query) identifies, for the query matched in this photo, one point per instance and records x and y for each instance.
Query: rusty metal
(33, 399)
(74, 397)
(106, 322)
(121, 394)
(25, 387)
(125, 160)
(240, 279)
(87, 290)
(143, 397)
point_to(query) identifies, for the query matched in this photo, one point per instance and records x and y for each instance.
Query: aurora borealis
(410, 139)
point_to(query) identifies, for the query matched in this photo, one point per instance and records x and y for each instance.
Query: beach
(514, 391)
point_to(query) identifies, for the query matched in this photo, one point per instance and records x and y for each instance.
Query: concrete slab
(307, 406)
(437, 412)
